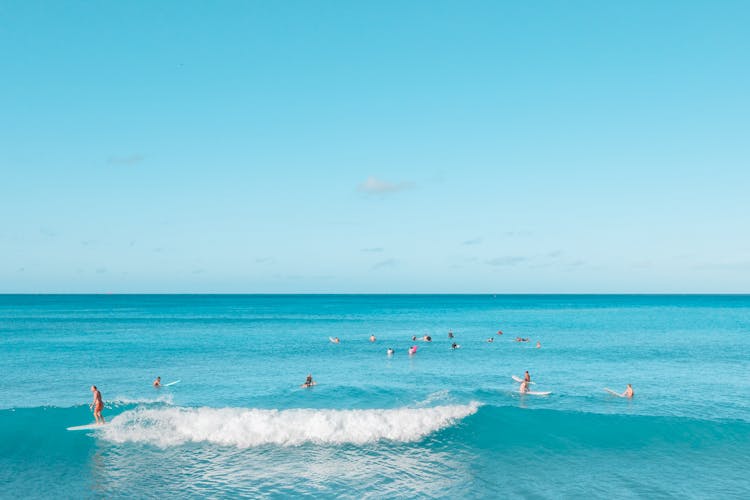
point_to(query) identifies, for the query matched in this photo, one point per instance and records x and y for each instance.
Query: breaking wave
(246, 427)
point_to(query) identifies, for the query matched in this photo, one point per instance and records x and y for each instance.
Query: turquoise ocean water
(443, 423)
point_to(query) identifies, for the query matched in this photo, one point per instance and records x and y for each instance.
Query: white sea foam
(125, 400)
(246, 427)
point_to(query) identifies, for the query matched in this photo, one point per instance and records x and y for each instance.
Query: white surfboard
(172, 383)
(614, 393)
(519, 380)
(535, 393)
(87, 427)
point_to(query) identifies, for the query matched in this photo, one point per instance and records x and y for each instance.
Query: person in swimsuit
(450, 334)
(499, 332)
(538, 345)
(455, 346)
(335, 340)
(390, 351)
(628, 392)
(524, 386)
(527, 377)
(372, 338)
(97, 405)
(491, 339)
(309, 382)
(157, 382)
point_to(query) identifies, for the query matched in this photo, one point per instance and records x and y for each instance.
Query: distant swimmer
(491, 339)
(412, 350)
(413, 338)
(427, 338)
(157, 382)
(538, 345)
(335, 340)
(390, 351)
(455, 346)
(309, 382)
(628, 392)
(97, 405)
(521, 339)
(450, 334)
(372, 338)
(499, 332)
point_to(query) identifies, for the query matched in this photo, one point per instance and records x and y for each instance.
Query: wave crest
(245, 427)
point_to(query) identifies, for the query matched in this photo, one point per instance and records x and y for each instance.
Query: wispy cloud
(264, 260)
(473, 241)
(383, 264)
(132, 159)
(373, 185)
(101, 270)
(510, 260)
(373, 249)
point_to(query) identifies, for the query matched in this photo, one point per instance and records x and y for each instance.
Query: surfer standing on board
(97, 405)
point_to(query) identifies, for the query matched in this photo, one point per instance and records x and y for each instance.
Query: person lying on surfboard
(97, 405)
(157, 382)
(309, 382)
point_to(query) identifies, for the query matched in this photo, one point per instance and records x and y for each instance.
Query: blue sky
(502, 147)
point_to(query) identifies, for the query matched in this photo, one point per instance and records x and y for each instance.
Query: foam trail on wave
(244, 427)
(124, 400)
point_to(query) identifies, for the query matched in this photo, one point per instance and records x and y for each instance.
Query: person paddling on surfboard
(157, 382)
(97, 405)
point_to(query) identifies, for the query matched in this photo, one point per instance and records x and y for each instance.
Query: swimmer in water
(427, 338)
(538, 345)
(499, 332)
(390, 351)
(157, 382)
(335, 340)
(491, 339)
(372, 338)
(450, 334)
(97, 405)
(524, 386)
(412, 350)
(309, 382)
(628, 392)
(455, 346)
(413, 338)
